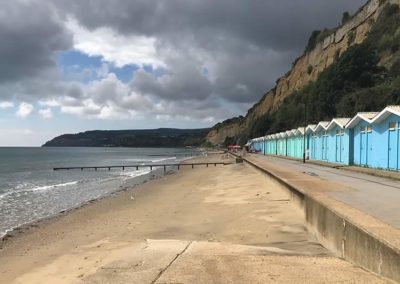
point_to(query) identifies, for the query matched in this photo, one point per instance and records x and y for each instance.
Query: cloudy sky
(73, 65)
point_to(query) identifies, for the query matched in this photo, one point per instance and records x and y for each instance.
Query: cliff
(319, 55)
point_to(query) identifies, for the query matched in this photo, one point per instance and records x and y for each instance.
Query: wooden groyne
(177, 154)
(151, 166)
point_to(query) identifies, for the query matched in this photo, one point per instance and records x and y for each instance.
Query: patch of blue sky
(77, 66)
(158, 72)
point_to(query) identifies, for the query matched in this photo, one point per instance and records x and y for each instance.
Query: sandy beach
(224, 224)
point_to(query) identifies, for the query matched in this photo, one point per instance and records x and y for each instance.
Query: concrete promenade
(376, 196)
(354, 214)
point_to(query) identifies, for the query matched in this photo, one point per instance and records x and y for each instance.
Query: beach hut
(385, 135)
(299, 144)
(260, 145)
(321, 142)
(290, 140)
(282, 144)
(268, 145)
(264, 145)
(273, 145)
(362, 138)
(339, 142)
(312, 141)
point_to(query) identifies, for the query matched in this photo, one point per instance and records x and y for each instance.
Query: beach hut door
(393, 147)
(363, 147)
(338, 147)
(313, 149)
(324, 147)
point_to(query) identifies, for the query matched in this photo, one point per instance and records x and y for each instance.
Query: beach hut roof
(310, 128)
(289, 133)
(361, 116)
(386, 113)
(341, 122)
(322, 125)
(300, 131)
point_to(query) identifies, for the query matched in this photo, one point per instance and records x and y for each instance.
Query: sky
(68, 66)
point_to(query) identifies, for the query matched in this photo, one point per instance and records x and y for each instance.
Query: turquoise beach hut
(282, 144)
(312, 141)
(273, 144)
(299, 144)
(269, 142)
(290, 140)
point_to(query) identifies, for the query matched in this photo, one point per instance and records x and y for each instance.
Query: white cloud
(113, 47)
(24, 110)
(46, 113)
(4, 105)
(50, 103)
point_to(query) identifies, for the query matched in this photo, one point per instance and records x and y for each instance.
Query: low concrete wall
(341, 236)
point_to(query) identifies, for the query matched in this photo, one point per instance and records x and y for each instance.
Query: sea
(31, 190)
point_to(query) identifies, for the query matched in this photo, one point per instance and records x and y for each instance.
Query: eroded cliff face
(218, 135)
(307, 68)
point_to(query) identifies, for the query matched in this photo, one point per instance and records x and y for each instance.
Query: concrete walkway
(376, 196)
(180, 261)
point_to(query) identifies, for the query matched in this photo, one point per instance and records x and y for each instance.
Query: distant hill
(162, 137)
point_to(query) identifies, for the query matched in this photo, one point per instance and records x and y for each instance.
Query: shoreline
(129, 186)
(142, 179)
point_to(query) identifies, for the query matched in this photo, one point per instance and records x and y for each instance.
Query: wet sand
(224, 224)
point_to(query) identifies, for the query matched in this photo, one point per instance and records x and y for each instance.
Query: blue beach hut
(385, 135)
(339, 142)
(321, 142)
(362, 139)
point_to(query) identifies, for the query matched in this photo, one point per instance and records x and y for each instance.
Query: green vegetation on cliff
(163, 137)
(366, 77)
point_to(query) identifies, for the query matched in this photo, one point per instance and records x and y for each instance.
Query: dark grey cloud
(183, 81)
(282, 24)
(31, 34)
(245, 45)
(220, 56)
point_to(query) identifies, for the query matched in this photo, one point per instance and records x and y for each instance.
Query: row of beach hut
(368, 139)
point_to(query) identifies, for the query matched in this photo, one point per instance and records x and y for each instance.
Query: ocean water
(30, 190)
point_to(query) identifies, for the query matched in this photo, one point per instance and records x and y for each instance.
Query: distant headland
(161, 137)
